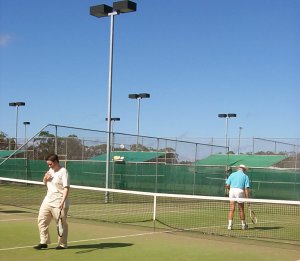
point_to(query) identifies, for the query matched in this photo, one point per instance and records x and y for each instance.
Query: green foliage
(5, 142)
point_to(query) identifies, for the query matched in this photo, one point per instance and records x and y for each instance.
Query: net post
(154, 208)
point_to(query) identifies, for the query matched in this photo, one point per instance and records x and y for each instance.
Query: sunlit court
(116, 241)
(149, 130)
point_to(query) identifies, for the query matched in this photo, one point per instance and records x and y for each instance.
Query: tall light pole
(113, 120)
(17, 105)
(226, 116)
(25, 126)
(104, 11)
(240, 131)
(138, 97)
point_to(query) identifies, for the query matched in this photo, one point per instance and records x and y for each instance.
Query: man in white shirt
(56, 200)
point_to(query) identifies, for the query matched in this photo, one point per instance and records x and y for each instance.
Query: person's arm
(65, 195)
(228, 182)
(247, 188)
(247, 192)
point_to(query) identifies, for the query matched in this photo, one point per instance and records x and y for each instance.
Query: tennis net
(278, 220)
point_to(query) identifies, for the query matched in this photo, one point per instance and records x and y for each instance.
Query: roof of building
(248, 160)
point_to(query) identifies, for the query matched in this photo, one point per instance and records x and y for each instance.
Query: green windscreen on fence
(269, 183)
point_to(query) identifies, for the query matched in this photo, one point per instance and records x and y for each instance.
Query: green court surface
(90, 240)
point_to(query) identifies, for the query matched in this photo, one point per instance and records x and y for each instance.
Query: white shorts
(237, 193)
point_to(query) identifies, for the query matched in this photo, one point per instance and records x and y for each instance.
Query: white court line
(93, 239)
(17, 219)
(115, 237)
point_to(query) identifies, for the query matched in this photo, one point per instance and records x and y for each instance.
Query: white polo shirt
(60, 180)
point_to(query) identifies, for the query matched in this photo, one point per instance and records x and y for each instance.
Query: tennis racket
(60, 228)
(252, 215)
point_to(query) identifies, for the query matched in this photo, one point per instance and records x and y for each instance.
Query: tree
(5, 142)
(138, 147)
(74, 147)
(44, 145)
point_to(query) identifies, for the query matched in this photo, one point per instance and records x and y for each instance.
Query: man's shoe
(244, 227)
(41, 246)
(60, 248)
(229, 227)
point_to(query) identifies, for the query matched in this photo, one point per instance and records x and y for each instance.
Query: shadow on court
(92, 247)
(266, 228)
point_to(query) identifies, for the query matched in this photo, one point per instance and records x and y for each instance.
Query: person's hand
(47, 177)
(61, 206)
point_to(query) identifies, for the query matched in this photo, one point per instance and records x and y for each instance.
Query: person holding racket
(55, 204)
(239, 187)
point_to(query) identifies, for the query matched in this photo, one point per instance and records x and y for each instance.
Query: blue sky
(196, 58)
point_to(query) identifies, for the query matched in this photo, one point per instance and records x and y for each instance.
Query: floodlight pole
(25, 126)
(138, 97)
(138, 121)
(113, 120)
(227, 116)
(240, 130)
(26, 147)
(103, 11)
(17, 105)
(110, 73)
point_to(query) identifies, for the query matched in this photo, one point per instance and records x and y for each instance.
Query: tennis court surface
(147, 226)
(92, 240)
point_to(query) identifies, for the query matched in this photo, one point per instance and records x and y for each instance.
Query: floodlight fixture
(17, 104)
(231, 115)
(100, 10)
(124, 6)
(119, 7)
(139, 95)
(113, 119)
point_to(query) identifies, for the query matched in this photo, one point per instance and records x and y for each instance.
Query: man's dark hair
(53, 158)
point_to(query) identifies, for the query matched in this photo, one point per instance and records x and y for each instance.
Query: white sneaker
(229, 227)
(244, 227)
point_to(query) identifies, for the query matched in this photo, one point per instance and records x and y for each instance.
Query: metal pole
(26, 138)
(226, 133)
(239, 144)
(109, 100)
(25, 133)
(295, 150)
(17, 116)
(195, 168)
(112, 135)
(156, 167)
(26, 148)
(55, 141)
(138, 122)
